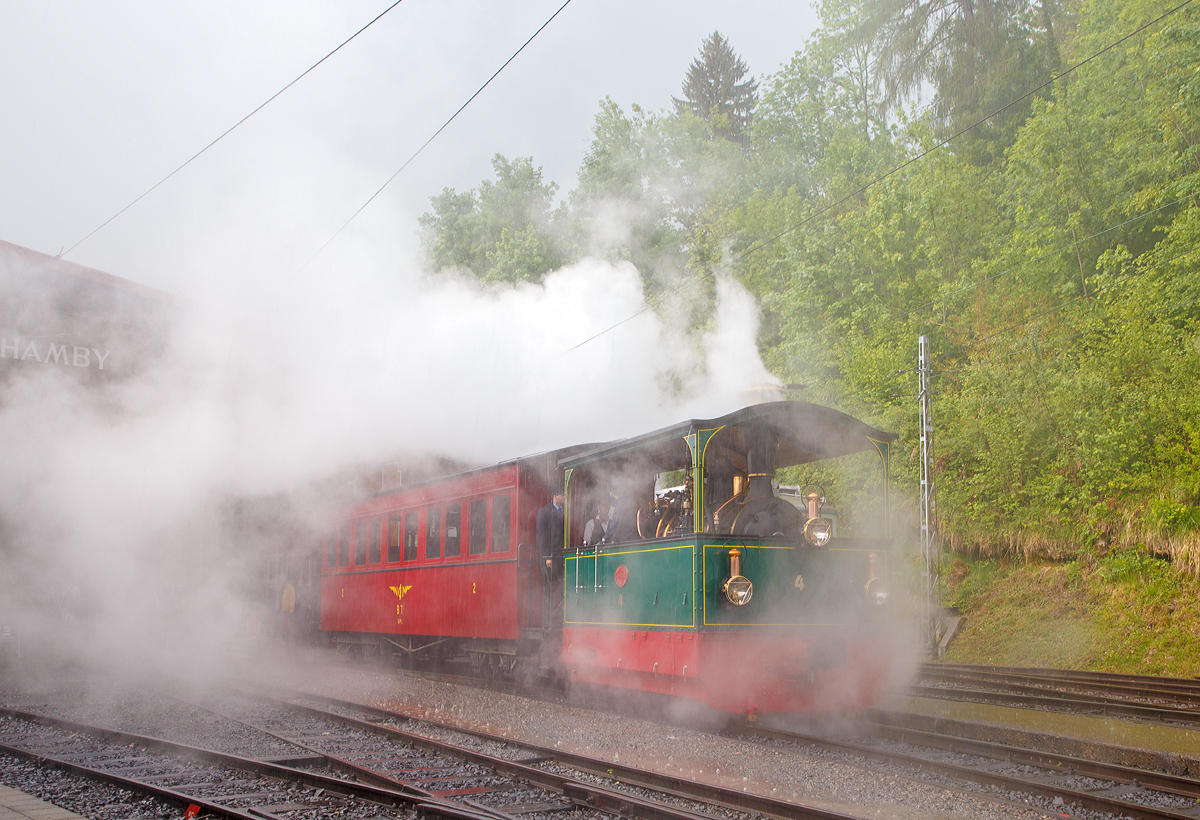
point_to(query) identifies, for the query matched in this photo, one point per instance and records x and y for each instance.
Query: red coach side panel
(435, 560)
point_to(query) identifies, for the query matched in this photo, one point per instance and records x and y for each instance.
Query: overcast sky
(100, 100)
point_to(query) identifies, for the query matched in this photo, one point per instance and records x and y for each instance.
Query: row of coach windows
(444, 534)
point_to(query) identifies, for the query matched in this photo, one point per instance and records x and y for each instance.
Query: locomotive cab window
(395, 529)
(433, 533)
(411, 529)
(477, 542)
(453, 524)
(501, 509)
(634, 495)
(375, 527)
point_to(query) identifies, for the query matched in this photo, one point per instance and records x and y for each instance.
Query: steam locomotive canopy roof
(803, 433)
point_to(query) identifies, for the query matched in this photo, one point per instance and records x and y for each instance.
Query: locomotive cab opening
(636, 496)
(746, 490)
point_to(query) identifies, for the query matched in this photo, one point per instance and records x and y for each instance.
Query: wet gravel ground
(146, 710)
(85, 797)
(673, 739)
(659, 742)
(1055, 805)
(394, 758)
(231, 787)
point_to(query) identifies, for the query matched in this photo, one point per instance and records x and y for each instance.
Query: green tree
(506, 230)
(978, 55)
(716, 89)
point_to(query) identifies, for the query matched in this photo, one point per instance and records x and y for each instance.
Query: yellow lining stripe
(582, 556)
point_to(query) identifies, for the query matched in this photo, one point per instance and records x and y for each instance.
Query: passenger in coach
(550, 548)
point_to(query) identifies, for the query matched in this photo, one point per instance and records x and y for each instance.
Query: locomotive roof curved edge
(819, 431)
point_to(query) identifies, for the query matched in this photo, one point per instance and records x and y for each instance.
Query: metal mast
(930, 549)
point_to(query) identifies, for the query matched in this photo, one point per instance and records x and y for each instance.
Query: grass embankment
(1127, 612)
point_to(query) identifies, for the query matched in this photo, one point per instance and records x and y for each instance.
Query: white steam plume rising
(119, 491)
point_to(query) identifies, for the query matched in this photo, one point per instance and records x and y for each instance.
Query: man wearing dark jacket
(550, 548)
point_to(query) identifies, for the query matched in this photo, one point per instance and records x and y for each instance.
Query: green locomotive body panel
(676, 584)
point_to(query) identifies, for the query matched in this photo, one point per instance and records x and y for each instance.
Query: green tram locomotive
(706, 584)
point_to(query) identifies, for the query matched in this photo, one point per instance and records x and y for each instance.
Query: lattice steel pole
(930, 548)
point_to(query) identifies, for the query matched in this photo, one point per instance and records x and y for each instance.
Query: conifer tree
(715, 89)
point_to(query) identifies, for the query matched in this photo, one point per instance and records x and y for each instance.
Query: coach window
(453, 522)
(477, 543)
(344, 546)
(411, 528)
(433, 532)
(331, 547)
(360, 543)
(375, 527)
(395, 528)
(500, 517)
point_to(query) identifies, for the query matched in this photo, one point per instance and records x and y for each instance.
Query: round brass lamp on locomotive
(737, 588)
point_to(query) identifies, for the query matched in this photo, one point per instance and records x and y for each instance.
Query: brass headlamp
(737, 588)
(817, 530)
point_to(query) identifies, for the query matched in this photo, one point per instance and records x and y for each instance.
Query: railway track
(199, 780)
(1062, 783)
(1170, 700)
(378, 765)
(1010, 774)
(610, 787)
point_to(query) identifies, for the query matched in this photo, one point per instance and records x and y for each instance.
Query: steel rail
(390, 796)
(1102, 706)
(1137, 685)
(1184, 684)
(1059, 763)
(170, 796)
(359, 771)
(587, 793)
(1109, 805)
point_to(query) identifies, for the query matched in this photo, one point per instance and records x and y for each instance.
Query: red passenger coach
(442, 568)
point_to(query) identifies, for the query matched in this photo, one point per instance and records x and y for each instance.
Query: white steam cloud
(114, 498)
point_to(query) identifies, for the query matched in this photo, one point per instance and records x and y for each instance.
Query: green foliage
(1050, 256)
(503, 231)
(715, 89)
(1128, 613)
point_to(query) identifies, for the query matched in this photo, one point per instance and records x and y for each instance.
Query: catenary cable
(230, 129)
(416, 153)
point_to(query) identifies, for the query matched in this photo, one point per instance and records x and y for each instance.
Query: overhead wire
(416, 153)
(937, 146)
(230, 129)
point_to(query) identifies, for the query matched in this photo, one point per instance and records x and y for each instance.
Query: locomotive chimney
(760, 462)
